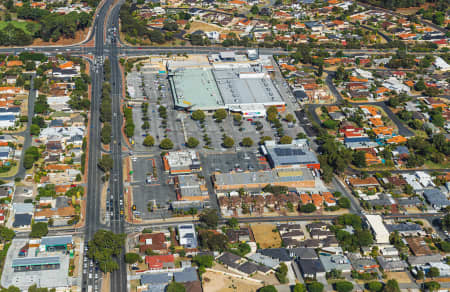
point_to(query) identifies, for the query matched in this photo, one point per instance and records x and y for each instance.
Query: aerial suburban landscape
(224, 145)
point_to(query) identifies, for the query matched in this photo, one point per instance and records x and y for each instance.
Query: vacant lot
(217, 282)
(206, 27)
(265, 236)
(401, 277)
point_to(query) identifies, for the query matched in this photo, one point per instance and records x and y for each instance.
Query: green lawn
(28, 27)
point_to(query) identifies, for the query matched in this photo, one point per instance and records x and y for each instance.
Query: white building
(379, 231)
(187, 236)
(441, 65)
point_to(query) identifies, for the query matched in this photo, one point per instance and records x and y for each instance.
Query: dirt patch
(217, 282)
(79, 37)
(265, 236)
(413, 10)
(401, 277)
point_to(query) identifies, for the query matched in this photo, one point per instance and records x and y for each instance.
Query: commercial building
(244, 87)
(293, 178)
(187, 236)
(296, 154)
(35, 264)
(179, 162)
(190, 188)
(54, 243)
(380, 233)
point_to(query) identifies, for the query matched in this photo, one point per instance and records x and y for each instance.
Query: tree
(35, 130)
(315, 287)
(286, 140)
(149, 141)
(344, 286)
(420, 85)
(6, 234)
(206, 261)
(420, 275)
(228, 142)
(432, 286)
(374, 286)
(106, 163)
(104, 248)
(233, 223)
(166, 144)
(247, 142)
(10, 289)
(330, 124)
(209, 217)
(220, 114)
(270, 288)
(192, 142)
(198, 115)
(299, 288)
(281, 273)
(308, 208)
(392, 286)
(289, 118)
(433, 272)
(254, 10)
(131, 258)
(344, 202)
(106, 133)
(359, 159)
(39, 229)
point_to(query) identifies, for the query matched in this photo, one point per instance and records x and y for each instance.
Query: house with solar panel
(294, 155)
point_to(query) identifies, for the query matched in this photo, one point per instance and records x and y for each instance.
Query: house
(188, 274)
(267, 261)
(335, 262)
(304, 253)
(158, 262)
(362, 264)
(363, 182)
(425, 259)
(240, 235)
(311, 268)
(406, 229)
(391, 264)
(436, 198)
(156, 242)
(22, 221)
(281, 254)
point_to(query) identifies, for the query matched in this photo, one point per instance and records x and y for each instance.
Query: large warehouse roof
(195, 88)
(297, 153)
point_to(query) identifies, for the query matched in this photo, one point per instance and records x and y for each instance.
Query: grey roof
(391, 263)
(23, 208)
(22, 220)
(248, 268)
(422, 260)
(335, 262)
(56, 123)
(409, 201)
(187, 275)
(311, 266)
(290, 154)
(402, 150)
(153, 279)
(156, 288)
(260, 177)
(403, 227)
(56, 240)
(303, 253)
(436, 198)
(21, 262)
(264, 260)
(229, 259)
(281, 254)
